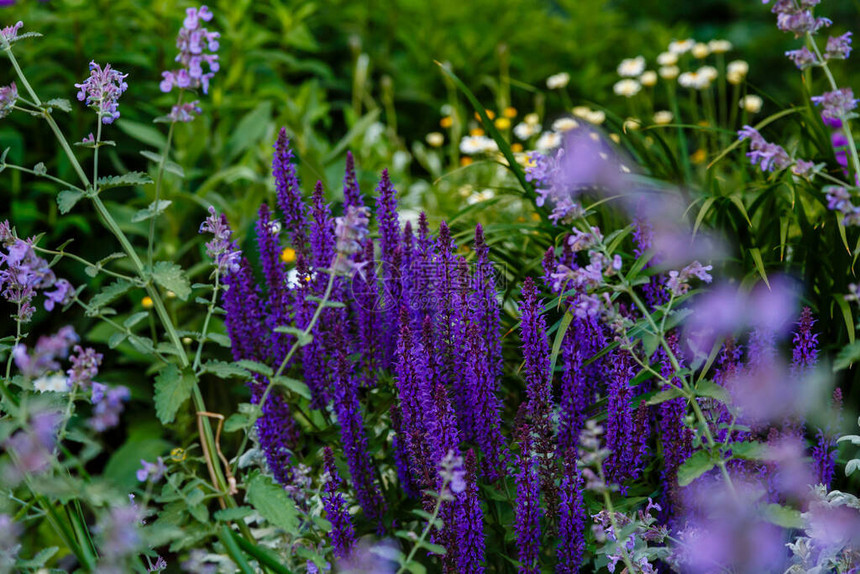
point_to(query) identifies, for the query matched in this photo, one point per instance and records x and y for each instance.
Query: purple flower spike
(768, 156)
(108, 405)
(802, 58)
(805, 352)
(838, 47)
(470, 524)
(527, 510)
(289, 198)
(535, 352)
(572, 519)
(836, 104)
(351, 192)
(342, 533)
(194, 42)
(151, 471)
(825, 451)
(102, 91)
(221, 249)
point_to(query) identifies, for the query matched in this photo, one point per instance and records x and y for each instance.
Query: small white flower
(631, 125)
(471, 145)
(631, 67)
(54, 382)
(667, 59)
(435, 139)
(274, 227)
(708, 72)
(681, 46)
(627, 88)
(663, 117)
(701, 51)
(736, 71)
(524, 130)
(669, 72)
(548, 141)
(596, 117)
(751, 103)
(564, 125)
(557, 81)
(720, 46)
(648, 78)
(532, 119)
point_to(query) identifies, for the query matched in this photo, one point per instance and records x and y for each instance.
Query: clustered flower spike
(337, 512)
(220, 248)
(796, 16)
(185, 112)
(193, 42)
(102, 91)
(108, 404)
(23, 273)
(768, 156)
(836, 104)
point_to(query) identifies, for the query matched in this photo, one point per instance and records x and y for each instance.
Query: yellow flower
(503, 123)
(446, 122)
(147, 302)
(490, 114)
(510, 112)
(476, 132)
(177, 455)
(435, 139)
(288, 255)
(699, 157)
(464, 161)
(516, 147)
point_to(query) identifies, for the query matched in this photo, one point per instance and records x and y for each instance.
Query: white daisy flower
(631, 67)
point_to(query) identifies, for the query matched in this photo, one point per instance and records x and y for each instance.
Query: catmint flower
(838, 47)
(102, 91)
(837, 103)
(185, 112)
(679, 282)
(151, 471)
(803, 168)
(838, 198)
(8, 97)
(220, 248)
(85, 366)
(119, 538)
(10, 531)
(10, 33)
(797, 18)
(768, 156)
(802, 58)
(22, 273)
(33, 445)
(108, 405)
(193, 41)
(48, 349)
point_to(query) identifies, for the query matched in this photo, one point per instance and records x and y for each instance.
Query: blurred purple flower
(679, 282)
(10, 33)
(802, 58)
(102, 91)
(108, 405)
(10, 531)
(768, 156)
(838, 47)
(8, 97)
(44, 357)
(85, 366)
(836, 104)
(351, 232)
(185, 112)
(151, 471)
(193, 41)
(33, 445)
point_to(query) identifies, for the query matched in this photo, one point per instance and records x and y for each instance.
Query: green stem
(62, 182)
(4, 388)
(209, 312)
(420, 542)
(607, 500)
(80, 259)
(158, 178)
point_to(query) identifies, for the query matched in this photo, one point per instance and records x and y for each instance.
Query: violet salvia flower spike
(527, 510)
(804, 355)
(389, 243)
(825, 451)
(275, 275)
(102, 90)
(351, 192)
(342, 532)
(572, 519)
(535, 352)
(290, 202)
(197, 47)
(470, 523)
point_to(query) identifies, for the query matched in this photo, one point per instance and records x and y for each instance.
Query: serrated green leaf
(110, 293)
(256, 367)
(712, 390)
(67, 199)
(169, 166)
(172, 388)
(273, 503)
(129, 179)
(39, 559)
(116, 340)
(171, 276)
(219, 339)
(152, 211)
(233, 514)
(224, 370)
(698, 464)
(666, 395)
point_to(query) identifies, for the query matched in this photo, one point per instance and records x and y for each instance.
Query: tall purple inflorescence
(676, 438)
(193, 41)
(469, 523)
(825, 451)
(352, 432)
(625, 461)
(535, 352)
(342, 533)
(289, 198)
(574, 392)
(527, 509)
(389, 243)
(804, 355)
(572, 518)
(277, 315)
(351, 192)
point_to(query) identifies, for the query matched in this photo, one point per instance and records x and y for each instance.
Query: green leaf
(712, 390)
(666, 395)
(142, 133)
(852, 438)
(302, 338)
(61, 104)
(38, 560)
(172, 388)
(135, 319)
(559, 338)
(749, 450)
(250, 130)
(782, 516)
(169, 166)
(849, 354)
(116, 340)
(263, 555)
(129, 179)
(256, 367)
(170, 276)
(434, 548)
(356, 130)
(852, 465)
(233, 514)
(273, 503)
(110, 293)
(152, 211)
(694, 467)
(293, 385)
(224, 370)
(755, 252)
(67, 199)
